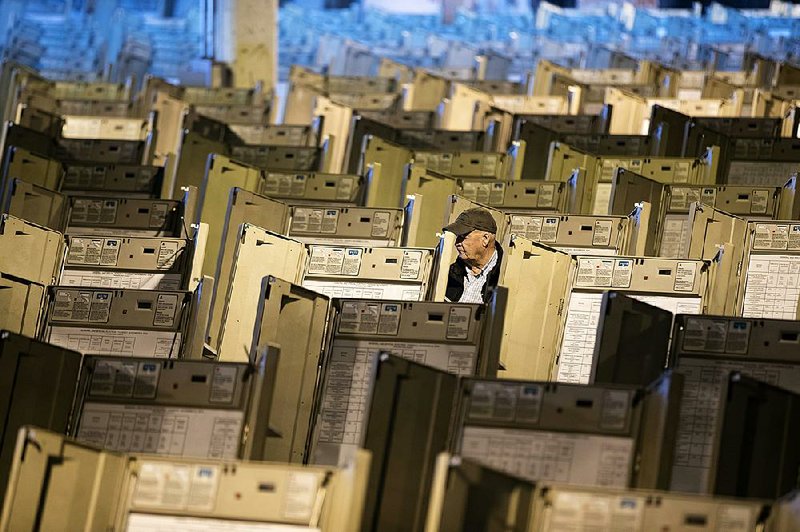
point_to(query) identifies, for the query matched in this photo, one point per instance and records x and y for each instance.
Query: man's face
(472, 245)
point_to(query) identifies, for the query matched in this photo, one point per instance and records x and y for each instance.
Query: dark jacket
(458, 270)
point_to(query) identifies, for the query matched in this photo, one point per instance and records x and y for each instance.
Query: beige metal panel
(425, 92)
(106, 128)
(516, 196)
(193, 160)
(576, 506)
(37, 251)
(126, 216)
(259, 253)
(295, 320)
(113, 180)
(459, 108)
(770, 270)
(388, 162)
(629, 189)
(576, 234)
(59, 484)
(149, 263)
(678, 286)
(376, 273)
(282, 158)
(313, 187)
(36, 204)
(363, 226)
(23, 303)
(445, 336)
(146, 323)
(529, 352)
(709, 230)
(336, 120)
(305, 497)
(243, 207)
(221, 175)
(247, 114)
(436, 190)
(169, 126)
(789, 203)
(706, 349)
(276, 135)
(91, 90)
(33, 168)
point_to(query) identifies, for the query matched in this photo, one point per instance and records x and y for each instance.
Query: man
(477, 267)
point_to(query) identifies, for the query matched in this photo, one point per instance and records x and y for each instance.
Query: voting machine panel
(297, 188)
(194, 495)
(575, 234)
(431, 192)
(57, 483)
(771, 270)
(288, 158)
(370, 273)
(705, 350)
(258, 253)
(112, 180)
(560, 507)
(172, 407)
(583, 435)
(144, 323)
(295, 319)
(446, 336)
(37, 385)
(468, 164)
(35, 204)
(130, 262)
(630, 191)
(37, 251)
(677, 286)
(244, 207)
(125, 217)
(104, 151)
(515, 196)
(352, 226)
(37, 169)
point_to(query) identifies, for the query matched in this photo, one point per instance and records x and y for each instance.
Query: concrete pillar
(246, 37)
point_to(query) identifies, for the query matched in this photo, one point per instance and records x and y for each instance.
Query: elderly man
(477, 267)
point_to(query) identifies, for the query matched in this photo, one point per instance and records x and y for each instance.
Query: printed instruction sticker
(546, 196)
(166, 309)
(703, 334)
(794, 237)
(594, 272)
(458, 323)
(615, 409)
(684, 276)
(758, 201)
(380, 224)
(110, 253)
(100, 308)
(167, 254)
(85, 251)
(601, 236)
(529, 403)
(114, 378)
(71, 305)
(682, 197)
(345, 189)
(158, 215)
(549, 230)
(389, 320)
(771, 236)
(146, 382)
(223, 384)
(708, 196)
(301, 494)
(623, 272)
(360, 318)
(411, 265)
(326, 260)
(351, 264)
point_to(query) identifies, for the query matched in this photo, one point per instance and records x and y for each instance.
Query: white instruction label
(165, 523)
(334, 261)
(681, 197)
(582, 459)
(177, 431)
(759, 199)
(285, 185)
(529, 227)
(411, 265)
(85, 251)
(168, 253)
(594, 272)
(602, 232)
(499, 401)
(119, 279)
(623, 272)
(158, 214)
(458, 322)
(117, 378)
(772, 286)
(716, 336)
(118, 342)
(168, 486)
(685, 274)
(82, 306)
(344, 192)
(301, 494)
(771, 237)
(166, 310)
(596, 511)
(93, 211)
(365, 290)
(380, 224)
(549, 229)
(223, 384)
